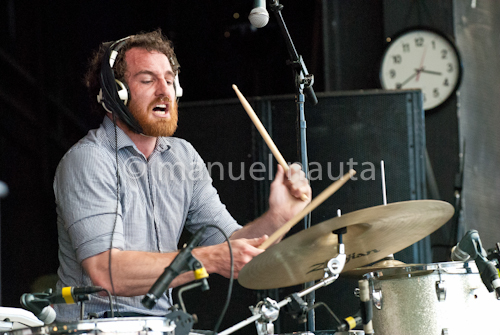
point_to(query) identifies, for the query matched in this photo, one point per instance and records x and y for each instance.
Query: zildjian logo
(322, 266)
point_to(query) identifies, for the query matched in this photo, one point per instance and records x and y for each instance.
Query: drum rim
(409, 271)
(92, 325)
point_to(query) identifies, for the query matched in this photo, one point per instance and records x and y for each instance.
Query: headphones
(114, 94)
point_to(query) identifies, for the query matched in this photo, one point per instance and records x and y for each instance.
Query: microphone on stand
(39, 307)
(181, 263)
(350, 322)
(470, 247)
(259, 16)
(39, 303)
(72, 295)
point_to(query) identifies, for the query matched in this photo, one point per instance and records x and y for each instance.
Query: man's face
(151, 82)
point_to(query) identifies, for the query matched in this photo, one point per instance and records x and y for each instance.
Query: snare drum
(434, 299)
(116, 326)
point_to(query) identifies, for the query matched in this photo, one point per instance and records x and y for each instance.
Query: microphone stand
(303, 83)
(267, 311)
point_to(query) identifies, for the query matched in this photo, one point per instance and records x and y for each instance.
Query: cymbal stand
(267, 311)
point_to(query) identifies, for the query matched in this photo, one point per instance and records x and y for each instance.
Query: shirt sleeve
(207, 208)
(85, 188)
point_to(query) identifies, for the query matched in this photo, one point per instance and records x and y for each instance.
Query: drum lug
(377, 298)
(441, 290)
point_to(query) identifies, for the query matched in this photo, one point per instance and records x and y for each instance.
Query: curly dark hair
(151, 41)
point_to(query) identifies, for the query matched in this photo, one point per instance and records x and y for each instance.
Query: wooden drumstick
(265, 135)
(314, 203)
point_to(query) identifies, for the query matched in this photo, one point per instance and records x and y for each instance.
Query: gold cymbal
(372, 234)
(383, 264)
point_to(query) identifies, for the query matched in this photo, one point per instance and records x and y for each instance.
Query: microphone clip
(183, 262)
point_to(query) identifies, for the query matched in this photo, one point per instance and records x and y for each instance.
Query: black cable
(231, 281)
(116, 219)
(110, 302)
(327, 308)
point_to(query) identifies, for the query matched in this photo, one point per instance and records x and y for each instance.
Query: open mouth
(160, 109)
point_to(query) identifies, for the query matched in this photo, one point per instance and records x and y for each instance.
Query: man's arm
(134, 272)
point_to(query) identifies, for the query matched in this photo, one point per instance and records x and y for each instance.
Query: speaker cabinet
(359, 129)
(353, 129)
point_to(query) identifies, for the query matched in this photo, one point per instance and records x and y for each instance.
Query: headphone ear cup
(123, 91)
(177, 87)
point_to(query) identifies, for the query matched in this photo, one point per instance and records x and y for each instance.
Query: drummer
(124, 242)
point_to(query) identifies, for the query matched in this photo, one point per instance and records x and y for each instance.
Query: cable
(327, 308)
(114, 224)
(110, 302)
(231, 281)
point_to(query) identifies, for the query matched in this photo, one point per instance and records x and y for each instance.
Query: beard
(152, 126)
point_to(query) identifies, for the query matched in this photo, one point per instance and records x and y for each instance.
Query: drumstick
(265, 135)
(314, 203)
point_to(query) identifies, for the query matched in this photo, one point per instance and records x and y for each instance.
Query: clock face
(422, 59)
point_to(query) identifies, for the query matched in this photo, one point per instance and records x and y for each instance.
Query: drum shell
(411, 302)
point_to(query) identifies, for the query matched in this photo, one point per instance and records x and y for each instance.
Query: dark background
(44, 108)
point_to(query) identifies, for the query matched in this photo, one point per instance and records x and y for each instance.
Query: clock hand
(430, 72)
(409, 78)
(421, 63)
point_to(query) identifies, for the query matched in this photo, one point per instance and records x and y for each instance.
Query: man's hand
(286, 192)
(216, 259)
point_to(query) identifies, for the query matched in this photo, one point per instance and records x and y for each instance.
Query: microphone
(470, 247)
(39, 307)
(39, 303)
(259, 17)
(350, 322)
(181, 263)
(72, 295)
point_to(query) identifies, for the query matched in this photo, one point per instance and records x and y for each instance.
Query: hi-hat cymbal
(372, 234)
(383, 264)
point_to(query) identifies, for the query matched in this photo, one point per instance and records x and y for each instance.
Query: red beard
(155, 127)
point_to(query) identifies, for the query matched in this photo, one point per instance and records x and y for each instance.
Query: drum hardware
(267, 311)
(494, 254)
(387, 262)
(365, 306)
(377, 298)
(204, 287)
(440, 289)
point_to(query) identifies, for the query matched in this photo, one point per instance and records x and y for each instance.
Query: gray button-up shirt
(158, 198)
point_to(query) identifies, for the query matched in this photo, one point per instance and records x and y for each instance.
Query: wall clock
(422, 59)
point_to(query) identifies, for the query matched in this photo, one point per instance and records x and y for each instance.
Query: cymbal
(383, 264)
(372, 234)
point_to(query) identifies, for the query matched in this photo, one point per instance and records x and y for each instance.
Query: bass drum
(434, 299)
